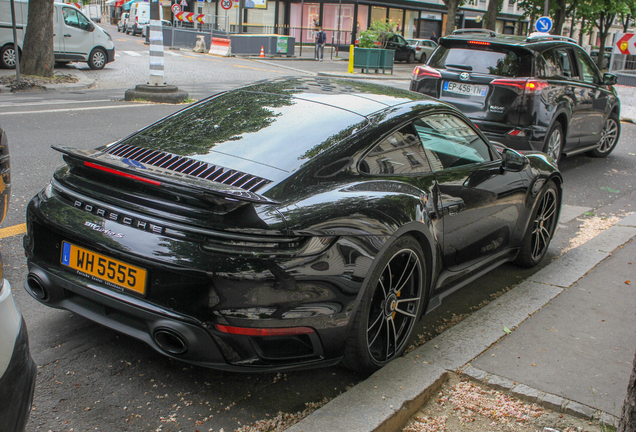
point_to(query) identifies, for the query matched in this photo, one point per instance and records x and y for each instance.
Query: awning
(110, 3)
(119, 3)
(126, 5)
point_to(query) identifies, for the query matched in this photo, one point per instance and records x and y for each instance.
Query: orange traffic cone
(262, 52)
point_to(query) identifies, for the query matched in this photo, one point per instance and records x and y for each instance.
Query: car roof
(534, 42)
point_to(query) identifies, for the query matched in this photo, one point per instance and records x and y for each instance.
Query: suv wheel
(554, 142)
(423, 58)
(609, 137)
(410, 58)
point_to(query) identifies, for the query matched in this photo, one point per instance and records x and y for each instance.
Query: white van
(75, 37)
(140, 16)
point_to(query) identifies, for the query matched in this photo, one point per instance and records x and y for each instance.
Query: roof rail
(490, 33)
(548, 37)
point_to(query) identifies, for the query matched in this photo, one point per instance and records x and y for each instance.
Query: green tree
(494, 6)
(601, 14)
(451, 6)
(376, 35)
(37, 51)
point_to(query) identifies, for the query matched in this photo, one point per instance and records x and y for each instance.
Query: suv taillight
(425, 71)
(521, 84)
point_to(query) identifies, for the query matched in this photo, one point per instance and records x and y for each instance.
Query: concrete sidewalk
(571, 348)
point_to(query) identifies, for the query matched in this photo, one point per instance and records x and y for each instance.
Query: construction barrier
(220, 47)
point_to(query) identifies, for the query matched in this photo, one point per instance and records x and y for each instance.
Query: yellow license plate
(111, 272)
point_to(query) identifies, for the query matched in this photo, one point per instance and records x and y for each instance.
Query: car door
(479, 202)
(399, 45)
(76, 35)
(596, 99)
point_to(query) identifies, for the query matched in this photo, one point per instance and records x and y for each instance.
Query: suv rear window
(498, 61)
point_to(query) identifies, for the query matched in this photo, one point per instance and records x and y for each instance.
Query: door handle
(67, 35)
(453, 209)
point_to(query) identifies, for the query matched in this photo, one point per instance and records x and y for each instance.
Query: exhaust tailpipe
(170, 341)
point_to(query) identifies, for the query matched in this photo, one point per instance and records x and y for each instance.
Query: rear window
(499, 61)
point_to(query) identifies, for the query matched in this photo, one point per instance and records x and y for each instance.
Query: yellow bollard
(350, 70)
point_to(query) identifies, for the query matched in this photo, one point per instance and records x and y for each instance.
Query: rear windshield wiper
(459, 66)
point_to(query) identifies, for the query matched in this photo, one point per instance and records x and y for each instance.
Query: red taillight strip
(121, 173)
(530, 85)
(479, 43)
(420, 71)
(284, 331)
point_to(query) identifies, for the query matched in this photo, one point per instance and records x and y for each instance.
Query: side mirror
(90, 27)
(513, 161)
(609, 78)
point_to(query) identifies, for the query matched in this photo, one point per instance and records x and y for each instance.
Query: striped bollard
(155, 37)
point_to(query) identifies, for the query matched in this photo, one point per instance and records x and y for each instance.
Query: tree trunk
(451, 6)
(491, 15)
(628, 416)
(606, 22)
(37, 52)
(559, 17)
(581, 32)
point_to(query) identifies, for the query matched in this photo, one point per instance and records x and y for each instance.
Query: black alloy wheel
(537, 239)
(554, 143)
(391, 306)
(609, 137)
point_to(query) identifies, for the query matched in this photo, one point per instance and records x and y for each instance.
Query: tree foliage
(37, 52)
(376, 35)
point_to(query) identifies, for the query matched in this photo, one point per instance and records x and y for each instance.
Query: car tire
(7, 57)
(554, 142)
(97, 59)
(388, 303)
(410, 58)
(541, 227)
(423, 58)
(609, 137)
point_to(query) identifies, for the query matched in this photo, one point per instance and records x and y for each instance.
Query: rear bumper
(531, 139)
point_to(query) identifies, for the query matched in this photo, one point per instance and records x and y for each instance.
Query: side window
(70, 17)
(449, 142)
(399, 153)
(589, 73)
(559, 62)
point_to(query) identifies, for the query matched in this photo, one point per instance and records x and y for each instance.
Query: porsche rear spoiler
(170, 180)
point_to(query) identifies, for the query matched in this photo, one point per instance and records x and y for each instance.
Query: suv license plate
(465, 89)
(111, 272)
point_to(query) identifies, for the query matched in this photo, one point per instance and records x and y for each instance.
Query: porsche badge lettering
(116, 217)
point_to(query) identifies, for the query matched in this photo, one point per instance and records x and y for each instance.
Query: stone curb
(387, 399)
(531, 395)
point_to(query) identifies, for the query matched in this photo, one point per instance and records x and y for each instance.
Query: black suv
(530, 93)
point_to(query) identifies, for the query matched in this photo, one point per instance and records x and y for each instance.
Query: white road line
(172, 53)
(132, 53)
(52, 102)
(75, 109)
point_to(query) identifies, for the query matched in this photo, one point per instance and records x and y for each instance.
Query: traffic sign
(625, 44)
(544, 24)
(183, 3)
(176, 8)
(226, 4)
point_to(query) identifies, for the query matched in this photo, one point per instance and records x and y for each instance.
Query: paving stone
(579, 410)
(500, 383)
(523, 391)
(476, 374)
(550, 401)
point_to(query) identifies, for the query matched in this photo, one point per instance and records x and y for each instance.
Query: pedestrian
(434, 37)
(321, 39)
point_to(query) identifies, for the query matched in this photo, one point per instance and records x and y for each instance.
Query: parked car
(123, 20)
(403, 51)
(17, 369)
(423, 48)
(537, 93)
(146, 28)
(139, 17)
(210, 238)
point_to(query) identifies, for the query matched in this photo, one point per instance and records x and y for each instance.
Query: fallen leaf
(589, 213)
(533, 364)
(628, 282)
(507, 330)
(610, 190)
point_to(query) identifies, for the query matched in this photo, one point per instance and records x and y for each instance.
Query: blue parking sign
(544, 24)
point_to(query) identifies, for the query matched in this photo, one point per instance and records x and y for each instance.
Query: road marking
(132, 53)
(264, 70)
(121, 40)
(169, 52)
(76, 109)
(53, 102)
(12, 231)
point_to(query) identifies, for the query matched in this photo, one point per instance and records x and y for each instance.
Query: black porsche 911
(287, 224)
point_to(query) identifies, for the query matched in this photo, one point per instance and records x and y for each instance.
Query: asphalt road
(91, 378)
